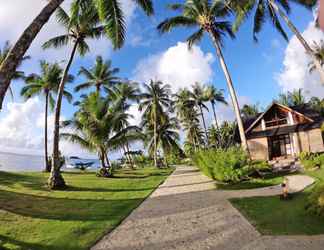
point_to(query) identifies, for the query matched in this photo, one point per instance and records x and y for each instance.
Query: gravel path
(187, 213)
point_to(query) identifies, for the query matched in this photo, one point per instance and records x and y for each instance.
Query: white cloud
(177, 66)
(22, 130)
(295, 73)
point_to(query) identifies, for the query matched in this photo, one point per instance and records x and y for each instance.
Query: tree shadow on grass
(7, 243)
(64, 209)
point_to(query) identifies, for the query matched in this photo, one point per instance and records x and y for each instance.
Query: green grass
(34, 218)
(272, 216)
(268, 180)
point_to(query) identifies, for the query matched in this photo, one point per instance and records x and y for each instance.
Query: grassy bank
(34, 218)
(272, 216)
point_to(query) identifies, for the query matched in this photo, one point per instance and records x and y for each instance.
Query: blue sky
(260, 71)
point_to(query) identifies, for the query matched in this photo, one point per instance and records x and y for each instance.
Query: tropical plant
(46, 84)
(214, 95)
(318, 49)
(270, 9)
(96, 126)
(167, 137)
(86, 25)
(250, 110)
(199, 97)
(101, 75)
(294, 98)
(124, 94)
(223, 137)
(18, 74)
(110, 12)
(209, 17)
(154, 101)
(317, 104)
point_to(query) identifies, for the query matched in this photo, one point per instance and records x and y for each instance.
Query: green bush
(315, 204)
(311, 160)
(143, 161)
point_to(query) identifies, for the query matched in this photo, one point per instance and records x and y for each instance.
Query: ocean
(11, 162)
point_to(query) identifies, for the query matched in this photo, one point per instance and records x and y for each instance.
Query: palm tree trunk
(47, 165)
(155, 137)
(301, 39)
(204, 123)
(130, 156)
(215, 117)
(55, 171)
(10, 64)
(232, 91)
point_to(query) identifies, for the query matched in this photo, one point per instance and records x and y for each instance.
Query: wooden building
(283, 132)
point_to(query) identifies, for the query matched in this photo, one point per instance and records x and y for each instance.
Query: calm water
(17, 162)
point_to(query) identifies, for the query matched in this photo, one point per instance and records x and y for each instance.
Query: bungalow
(283, 132)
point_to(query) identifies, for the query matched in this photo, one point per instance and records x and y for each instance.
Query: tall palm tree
(155, 99)
(46, 84)
(199, 97)
(294, 98)
(194, 133)
(101, 75)
(318, 49)
(124, 94)
(97, 128)
(110, 12)
(209, 17)
(167, 137)
(18, 74)
(270, 9)
(214, 95)
(86, 25)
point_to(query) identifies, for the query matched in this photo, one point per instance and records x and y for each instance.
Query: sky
(260, 71)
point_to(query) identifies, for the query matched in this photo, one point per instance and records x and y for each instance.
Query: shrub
(311, 160)
(231, 165)
(315, 204)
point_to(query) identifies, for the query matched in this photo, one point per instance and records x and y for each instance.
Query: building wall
(259, 148)
(309, 141)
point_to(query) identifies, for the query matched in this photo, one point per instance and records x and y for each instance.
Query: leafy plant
(311, 160)
(315, 203)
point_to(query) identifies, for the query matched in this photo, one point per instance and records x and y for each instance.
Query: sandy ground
(188, 213)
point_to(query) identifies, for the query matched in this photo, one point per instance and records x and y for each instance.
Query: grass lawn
(272, 216)
(34, 218)
(268, 180)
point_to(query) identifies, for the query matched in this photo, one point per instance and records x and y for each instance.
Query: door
(280, 146)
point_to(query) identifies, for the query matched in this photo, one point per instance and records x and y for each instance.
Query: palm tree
(154, 100)
(194, 133)
(167, 137)
(97, 128)
(18, 74)
(124, 94)
(102, 75)
(209, 18)
(85, 26)
(318, 49)
(294, 98)
(214, 95)
(250, 110)
(269, 9)
(199, 97)
(110, 12)
(46, 84)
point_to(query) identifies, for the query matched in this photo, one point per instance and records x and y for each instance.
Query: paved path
(187, 213)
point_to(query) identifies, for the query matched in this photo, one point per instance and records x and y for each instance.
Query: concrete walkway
(186, 212)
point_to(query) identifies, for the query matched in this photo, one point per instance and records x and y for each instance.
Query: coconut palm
(97, 128)
(209, 17)
(85, 26)
(154, 101)
(318, 49)
(194, 133)
(125, 94)
(167, 137)
(46, 84)
(101, 76)
(214, 95)
(199, 98)
(250, 110)
(110, 12)
(269, 10)
(18, 74)
(294, 98)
